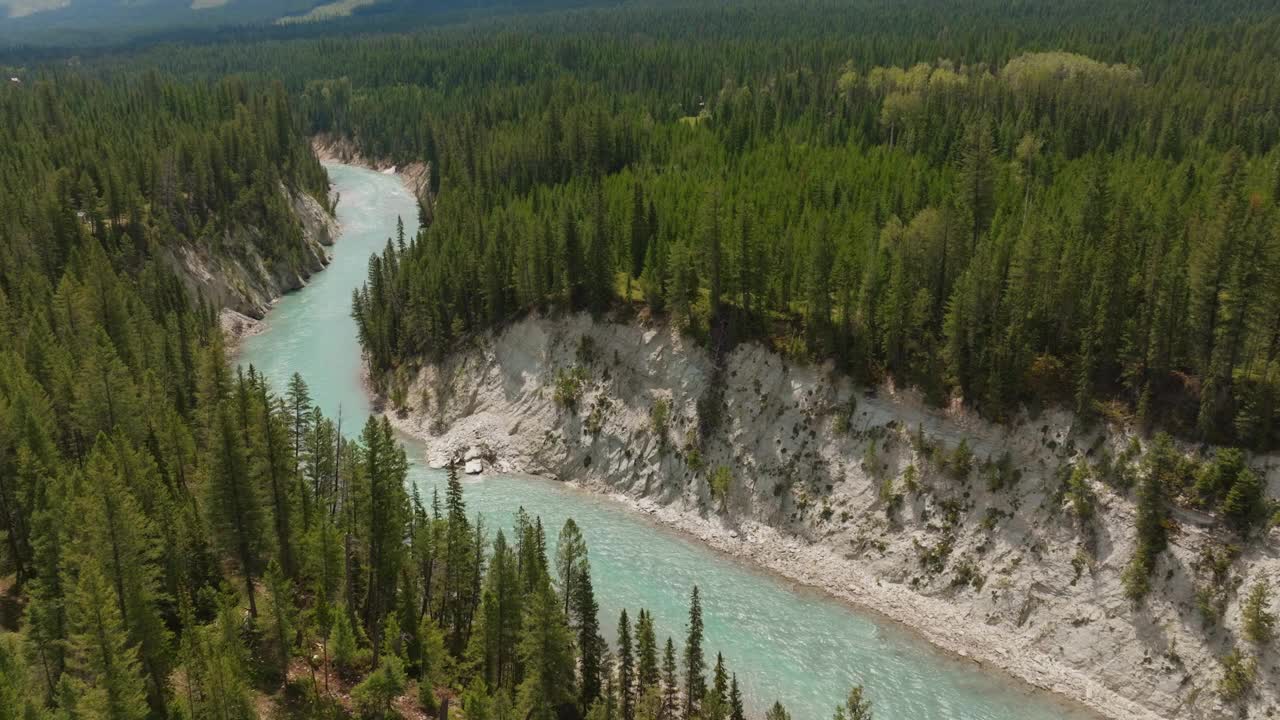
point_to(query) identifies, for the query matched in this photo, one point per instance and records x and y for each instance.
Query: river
(784, 642)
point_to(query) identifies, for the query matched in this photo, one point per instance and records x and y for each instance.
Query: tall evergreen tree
(626, 669)
(695, 683)
(670, 683)
(546, 653)
(105, 675)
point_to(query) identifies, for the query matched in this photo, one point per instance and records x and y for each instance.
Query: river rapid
(784, 642)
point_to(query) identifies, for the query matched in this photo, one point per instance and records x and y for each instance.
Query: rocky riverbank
(852, 490)
(232, 275)
(416, 176)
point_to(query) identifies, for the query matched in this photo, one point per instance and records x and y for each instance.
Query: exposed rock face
(238, 278)
(827, 483)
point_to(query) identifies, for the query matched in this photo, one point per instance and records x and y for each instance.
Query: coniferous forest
(1040, 204)
(181, 539)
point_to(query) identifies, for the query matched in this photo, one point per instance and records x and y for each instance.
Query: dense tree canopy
(1077, 212)
(1073, 203)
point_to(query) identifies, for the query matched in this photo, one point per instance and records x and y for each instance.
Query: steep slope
(863, 493)
(241, 279)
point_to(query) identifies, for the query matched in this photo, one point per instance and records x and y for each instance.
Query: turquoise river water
(784, 642)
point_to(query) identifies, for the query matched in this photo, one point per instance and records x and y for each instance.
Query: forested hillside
(1073, 205)
(1070, 203)
(178, 539)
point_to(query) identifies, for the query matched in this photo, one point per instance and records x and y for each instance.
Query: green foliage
(856, 706)
(280, 629)
(437, 664)
(910, 479)
(1136, 578)
(1259, 620)
(720, 482)
(1244, 505)
(216, 662)
(1216, 477)
(476, 703)
(659, 418)
(1152, 516)
(108, 679)
(568, 387)
(777, 712)
(546, 650)
(933, 558)
(1079, 563)
(1081, 495)
(374, 695)
(1238, 676)
(967, 573)
(342, 643)
(1001, 474)
(1033, 227)
(695, 682)
(960, 463)
(16, 700)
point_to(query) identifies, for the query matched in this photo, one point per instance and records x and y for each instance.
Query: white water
(784, 642)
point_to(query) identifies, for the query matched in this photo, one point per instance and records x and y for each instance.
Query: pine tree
(116, 536)
(437, 664)
(777, 712)
(670, 683)
(736, 710)
(374, 695)
(1259, 621)
(976, 191)
(695, 683)
(342, 641)
(16, 702)
(281, 628)
(590, 645)
(104, 666)
(546, 652)
(275, 464)
(855, 707)
(298, 403)
(232, 502)
(458, 561)
(716, 705)
(385, 467)
(1244, 504)
(223, 677)
(626, 669)
(571, 552)
(646, 653)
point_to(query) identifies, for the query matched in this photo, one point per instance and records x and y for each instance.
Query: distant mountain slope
(96, 21)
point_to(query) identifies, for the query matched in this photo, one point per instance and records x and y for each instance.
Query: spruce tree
(571, 551)
(1259, 621)
(695, 683)
(855, 707)
(736, 709)
(777, 712)
(626, 669)
(281, 627)
(591, 646)
(546, 653)
(646, 653)
(458, 561)
(670, 683)
(232, 502)
(104, 666)
(374, 695)
(716, 706)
